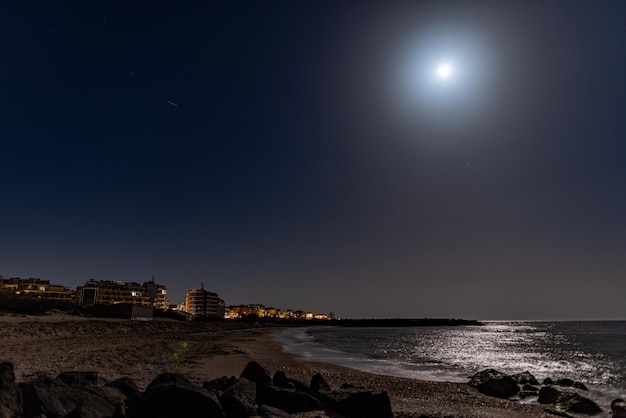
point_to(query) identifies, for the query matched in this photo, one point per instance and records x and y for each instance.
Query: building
(241, 311)
(158, 295)
(104, 292)
(37, 288)
(200, 303)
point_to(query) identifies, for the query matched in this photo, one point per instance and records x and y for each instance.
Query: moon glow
(444, 71)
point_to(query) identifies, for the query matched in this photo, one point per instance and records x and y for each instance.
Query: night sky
(304, 154)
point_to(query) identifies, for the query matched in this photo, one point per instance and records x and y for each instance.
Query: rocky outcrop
(494, 383)
(568, 401)
(78, 394)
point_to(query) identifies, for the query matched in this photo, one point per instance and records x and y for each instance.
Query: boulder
(319, 385)
(548, 395)
(568, 401)
(126, 385)
(53, 398)
(494, 383)
(528, 391)
(571, 383)
(239, 400)
(564, 382)
(573, 402)
(547, 381)
(171, 395)
(289, 400)
(359, 403)
(266, 411)
(220, 384)
(302, 387)
(580, 385)
(254, 372)
(525, 378)
(10, 395)
(7, 375)
(280, 380)
(77, 378)
(618, 408)
(112, 395)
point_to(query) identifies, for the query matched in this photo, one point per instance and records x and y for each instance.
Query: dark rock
(7, 375)
(347, 386)
(112, 395)
(126, 385)
(53, 398)
(571, 383)
(528, 391)
(239, 400)
(359, 403)
(573, 402)
(618, 408)
(220, 384)
(525, 378)
(319, 385)
(299, 385)
(254, 372)
(266, 411)
(564, 382)
(548, 395)
(547, 381)
(289, 400)
(171, 395)
(280, 380)
(568, 401)
(580, 385)
(10, 395)
(484, 376)
(76, 378)
(494, 383)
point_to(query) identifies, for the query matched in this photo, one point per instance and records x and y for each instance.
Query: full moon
(444, 71)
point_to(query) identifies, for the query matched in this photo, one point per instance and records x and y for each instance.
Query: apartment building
(201, 303)
(105, 292)
(158, 295)
(35, 287)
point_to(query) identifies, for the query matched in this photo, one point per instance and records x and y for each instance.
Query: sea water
(592, 352)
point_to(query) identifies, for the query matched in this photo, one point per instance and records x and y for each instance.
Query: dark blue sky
(303, 155)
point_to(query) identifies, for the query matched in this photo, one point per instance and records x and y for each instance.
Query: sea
(591, 352)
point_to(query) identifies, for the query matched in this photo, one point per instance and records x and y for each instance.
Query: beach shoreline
(208, 350)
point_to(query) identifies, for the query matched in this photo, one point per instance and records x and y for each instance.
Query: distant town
(142, 301)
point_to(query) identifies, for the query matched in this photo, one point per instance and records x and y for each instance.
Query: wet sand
(204, 351)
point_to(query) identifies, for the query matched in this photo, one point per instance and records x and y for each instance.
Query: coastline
(205, 351)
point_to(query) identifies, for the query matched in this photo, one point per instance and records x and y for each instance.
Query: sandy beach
(204, 351)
